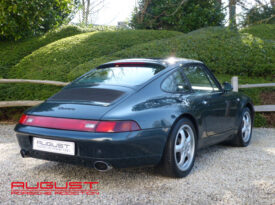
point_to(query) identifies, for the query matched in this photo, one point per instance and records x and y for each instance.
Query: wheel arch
(184, 115)
(251, 108)
(191, 118)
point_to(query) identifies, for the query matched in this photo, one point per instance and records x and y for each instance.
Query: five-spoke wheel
(180, 151)
(184, 147)
(246, 126)
(243, 137)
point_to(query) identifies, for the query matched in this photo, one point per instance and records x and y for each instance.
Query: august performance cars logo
(53, 188)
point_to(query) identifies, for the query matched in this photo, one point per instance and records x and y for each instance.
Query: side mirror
(227, 87)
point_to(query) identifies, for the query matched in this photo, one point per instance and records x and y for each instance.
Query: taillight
(23, 119)
(79, 125)
(117, 126)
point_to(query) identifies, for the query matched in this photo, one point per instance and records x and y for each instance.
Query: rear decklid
(82, 102)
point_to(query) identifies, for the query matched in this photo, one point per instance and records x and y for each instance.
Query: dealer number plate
(54, 146)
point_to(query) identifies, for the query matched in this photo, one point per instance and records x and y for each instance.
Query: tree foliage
(264, 13)
(21, 18)
(180, 15)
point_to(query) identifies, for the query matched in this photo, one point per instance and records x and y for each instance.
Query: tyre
(180, 150)
(243, 137)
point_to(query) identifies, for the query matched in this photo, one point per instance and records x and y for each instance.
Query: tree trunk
(143, 11)
(87, 12)
(83, 12)
(232, 14)
(272, 3)
(89, 7)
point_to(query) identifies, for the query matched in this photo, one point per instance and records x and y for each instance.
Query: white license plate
(54, 146)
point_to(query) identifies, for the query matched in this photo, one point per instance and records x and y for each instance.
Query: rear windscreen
(126, 76)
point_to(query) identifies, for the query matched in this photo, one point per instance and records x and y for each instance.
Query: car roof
(166, 62)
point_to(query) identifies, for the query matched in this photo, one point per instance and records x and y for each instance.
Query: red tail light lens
(117, 126)
(129, 64)
(79, 125)
(23, 119)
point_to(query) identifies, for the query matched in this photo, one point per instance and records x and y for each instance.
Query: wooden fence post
(235, 83)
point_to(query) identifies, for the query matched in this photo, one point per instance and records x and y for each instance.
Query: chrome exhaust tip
(102, 166)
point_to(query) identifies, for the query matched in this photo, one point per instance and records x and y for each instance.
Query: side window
(215, 87)
(175, 83)
(198, 78)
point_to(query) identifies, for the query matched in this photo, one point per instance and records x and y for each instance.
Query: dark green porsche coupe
(137, 112)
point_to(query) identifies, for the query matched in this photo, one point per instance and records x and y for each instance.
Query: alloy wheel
(246, 127)
(184, 147)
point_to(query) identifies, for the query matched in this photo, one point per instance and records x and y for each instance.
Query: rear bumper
(139, 148)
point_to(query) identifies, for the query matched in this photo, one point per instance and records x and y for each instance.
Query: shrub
(12, 52)
(263, 31)
(10, 92)
(224, 51)
(56, 60)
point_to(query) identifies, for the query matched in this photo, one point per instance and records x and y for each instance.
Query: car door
(211, 97)
(220, 98)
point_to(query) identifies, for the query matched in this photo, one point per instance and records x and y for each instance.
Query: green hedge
(264, 31)
(12, 52)
(224, 51)
(10, 92)
(54, 61)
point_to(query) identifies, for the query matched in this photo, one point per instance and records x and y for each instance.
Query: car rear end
(70, 126)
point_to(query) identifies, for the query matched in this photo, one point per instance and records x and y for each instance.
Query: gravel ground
(221, 175)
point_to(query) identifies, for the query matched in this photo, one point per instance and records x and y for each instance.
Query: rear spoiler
(132, 64)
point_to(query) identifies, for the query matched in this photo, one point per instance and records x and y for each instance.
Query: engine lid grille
(87, 94)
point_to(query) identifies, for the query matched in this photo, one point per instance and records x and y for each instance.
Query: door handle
(204, 102)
